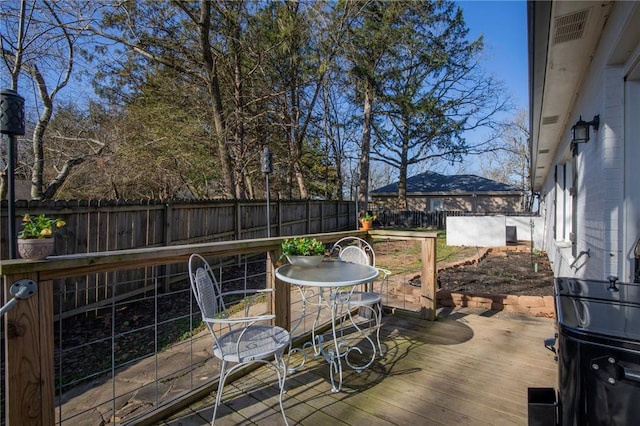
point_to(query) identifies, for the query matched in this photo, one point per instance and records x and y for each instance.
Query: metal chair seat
(251, 343)
(361, 298)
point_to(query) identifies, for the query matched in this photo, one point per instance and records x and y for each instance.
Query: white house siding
(632, 173)
(610, 225)
(601, 194)
(491, 231)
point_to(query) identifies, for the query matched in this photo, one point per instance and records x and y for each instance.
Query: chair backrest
(206, 289)
(354, 254)
(357, 250)
(354, 248)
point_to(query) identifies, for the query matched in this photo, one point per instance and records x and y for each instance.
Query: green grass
(411, 254)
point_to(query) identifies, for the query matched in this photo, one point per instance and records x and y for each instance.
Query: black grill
(598, 352)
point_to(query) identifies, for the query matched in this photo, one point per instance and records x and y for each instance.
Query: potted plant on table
(303, 251)
(35, 241)
(367, 221)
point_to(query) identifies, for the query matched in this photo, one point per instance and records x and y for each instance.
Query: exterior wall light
(580, 131)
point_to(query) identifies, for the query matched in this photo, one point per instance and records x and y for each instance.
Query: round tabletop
(329, 273)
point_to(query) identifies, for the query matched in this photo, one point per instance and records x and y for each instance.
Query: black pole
(11, 124)
(267, 167)
(356, 181)
(11, 198)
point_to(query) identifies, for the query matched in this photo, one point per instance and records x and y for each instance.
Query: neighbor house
(431, 192)
(584, 59)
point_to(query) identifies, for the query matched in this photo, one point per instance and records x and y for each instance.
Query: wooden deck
(464, 369)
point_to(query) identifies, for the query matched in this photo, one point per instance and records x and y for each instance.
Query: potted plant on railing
(303, 251)
(35, 241)
(367, 221)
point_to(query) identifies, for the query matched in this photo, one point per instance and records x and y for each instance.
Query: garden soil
(510, 270)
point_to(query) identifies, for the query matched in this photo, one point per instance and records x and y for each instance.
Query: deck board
(464, 369)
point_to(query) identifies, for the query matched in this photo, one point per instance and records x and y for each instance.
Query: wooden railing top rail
(75, 264)
(402, 235)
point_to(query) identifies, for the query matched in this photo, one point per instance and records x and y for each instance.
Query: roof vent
(570, 27)
(550, 119)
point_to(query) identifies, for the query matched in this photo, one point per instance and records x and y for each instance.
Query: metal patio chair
(357, 250)
(238, 339)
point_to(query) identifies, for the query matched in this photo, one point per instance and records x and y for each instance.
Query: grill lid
(596, 307)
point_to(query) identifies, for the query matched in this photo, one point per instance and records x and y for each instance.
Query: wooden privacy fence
(101, 226)
(430, 220)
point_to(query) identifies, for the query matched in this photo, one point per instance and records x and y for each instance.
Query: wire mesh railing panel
(105, 353)
(128, 355)
(402, 258)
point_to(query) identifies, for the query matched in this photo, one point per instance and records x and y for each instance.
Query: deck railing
(33, 394)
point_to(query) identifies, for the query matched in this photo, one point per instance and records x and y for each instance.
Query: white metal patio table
(327, 286)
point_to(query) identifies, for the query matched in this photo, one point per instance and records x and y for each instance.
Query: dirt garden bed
(511, 279)
(516, 281)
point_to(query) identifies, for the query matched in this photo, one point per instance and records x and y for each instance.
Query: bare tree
(510, 161)
(37, 43)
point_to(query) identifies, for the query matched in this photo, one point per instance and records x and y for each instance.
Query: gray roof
(435, 182)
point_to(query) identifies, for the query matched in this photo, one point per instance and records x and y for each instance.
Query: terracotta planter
(366, 225)
(35, 248)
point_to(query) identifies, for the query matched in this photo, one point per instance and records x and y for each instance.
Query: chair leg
(281, 368)
(223, 376)
(375, 319)
(379, 326)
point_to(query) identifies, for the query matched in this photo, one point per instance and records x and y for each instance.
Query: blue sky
(504, 26)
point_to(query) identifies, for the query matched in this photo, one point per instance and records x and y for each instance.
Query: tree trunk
(295, 142)
(402, 181)
(297, 171)
(363, 195)
(239, 133)
(37, 179)
(402, 188)
(213, 87)
(223, 150)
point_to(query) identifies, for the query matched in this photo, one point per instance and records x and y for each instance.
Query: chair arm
(239, 320)
(247, 291)
(384, 272)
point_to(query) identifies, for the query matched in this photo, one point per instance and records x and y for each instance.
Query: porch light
(11, 124)
(580, 130)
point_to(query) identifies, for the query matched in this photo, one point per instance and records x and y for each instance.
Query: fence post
(281, 302)
(29, 348)
(238, 220)
(428, 279)
(279, 218)
(168, 220)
